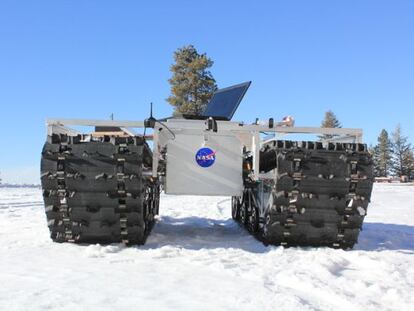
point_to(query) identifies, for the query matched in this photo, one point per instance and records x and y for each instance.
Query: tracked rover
(104, 187)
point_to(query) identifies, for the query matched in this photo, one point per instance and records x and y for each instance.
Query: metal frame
(252, 131)
(280, 127)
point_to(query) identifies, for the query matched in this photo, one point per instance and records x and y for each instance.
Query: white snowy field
(197, 258)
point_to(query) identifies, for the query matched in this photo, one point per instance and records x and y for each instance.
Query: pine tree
(409, 160)
(373, 150)
(376, 160)
(382, 154)
(192, 84)
(403, 158)
(330, 121)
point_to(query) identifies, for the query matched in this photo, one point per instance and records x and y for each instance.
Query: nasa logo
(205, 157)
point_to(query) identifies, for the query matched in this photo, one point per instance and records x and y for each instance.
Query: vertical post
(256, 154)
(49, 129)
(359, 138)
(155, 153)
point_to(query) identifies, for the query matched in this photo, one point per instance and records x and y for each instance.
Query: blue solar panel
(225, 101)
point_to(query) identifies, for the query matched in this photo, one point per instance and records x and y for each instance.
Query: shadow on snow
(380, 236)
(200, 233)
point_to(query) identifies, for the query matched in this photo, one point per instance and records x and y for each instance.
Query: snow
(197, 258)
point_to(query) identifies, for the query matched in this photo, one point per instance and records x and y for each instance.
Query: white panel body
(185, 176)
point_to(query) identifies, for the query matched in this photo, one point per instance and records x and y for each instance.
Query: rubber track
(320, 194)
(94, 191)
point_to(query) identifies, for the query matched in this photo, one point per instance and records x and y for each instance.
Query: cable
(169, 130)
(151, 121)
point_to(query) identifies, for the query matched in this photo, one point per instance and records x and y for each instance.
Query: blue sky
(87, 59)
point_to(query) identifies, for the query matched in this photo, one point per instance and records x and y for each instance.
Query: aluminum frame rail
(60, 126)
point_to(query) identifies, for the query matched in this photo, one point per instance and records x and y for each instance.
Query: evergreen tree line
(393, 155)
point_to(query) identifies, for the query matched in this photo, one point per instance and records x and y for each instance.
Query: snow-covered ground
(197, 258)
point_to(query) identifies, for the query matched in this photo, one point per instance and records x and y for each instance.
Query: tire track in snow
(222, 209)
(17, 205)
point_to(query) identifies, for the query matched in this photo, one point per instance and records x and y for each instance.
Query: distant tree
(192, 84)
(330, 121)
(409, 160)
(382, 155)
(373, 151)
(402, 158)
